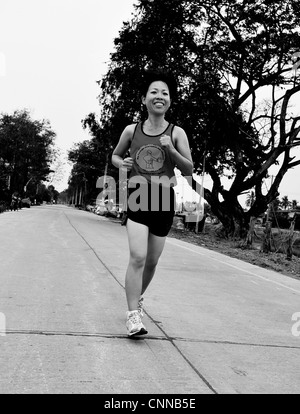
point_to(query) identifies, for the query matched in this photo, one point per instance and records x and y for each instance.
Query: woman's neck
(154, 124)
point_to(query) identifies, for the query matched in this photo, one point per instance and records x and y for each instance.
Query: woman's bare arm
(122, 148)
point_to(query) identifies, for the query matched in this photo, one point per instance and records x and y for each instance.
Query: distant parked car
(100, 209)
(90, 207)
(26, 203)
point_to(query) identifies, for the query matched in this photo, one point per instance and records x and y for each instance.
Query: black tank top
(150, 158)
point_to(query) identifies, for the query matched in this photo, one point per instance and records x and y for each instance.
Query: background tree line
(284, 203)
(226, 55)
(26, 153)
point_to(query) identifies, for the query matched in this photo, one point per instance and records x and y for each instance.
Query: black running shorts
(158, 216)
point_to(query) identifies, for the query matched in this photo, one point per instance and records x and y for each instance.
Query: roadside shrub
(3, 207)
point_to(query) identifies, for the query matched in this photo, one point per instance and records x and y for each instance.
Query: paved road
(216, 324)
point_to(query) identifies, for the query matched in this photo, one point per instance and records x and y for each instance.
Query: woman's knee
(137, 260)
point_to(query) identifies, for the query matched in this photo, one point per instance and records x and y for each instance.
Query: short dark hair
(150, 76)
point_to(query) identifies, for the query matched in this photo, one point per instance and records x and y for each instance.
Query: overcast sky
(52, 52)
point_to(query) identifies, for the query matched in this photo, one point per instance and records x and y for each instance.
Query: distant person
(156, 147)
(14, 202)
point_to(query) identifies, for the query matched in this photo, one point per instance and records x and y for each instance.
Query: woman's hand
(166, 142)
(127, 163)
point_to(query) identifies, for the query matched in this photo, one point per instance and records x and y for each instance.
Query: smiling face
(157, 99)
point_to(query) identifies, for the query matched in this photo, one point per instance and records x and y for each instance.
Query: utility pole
(266, 243)
(271, 204)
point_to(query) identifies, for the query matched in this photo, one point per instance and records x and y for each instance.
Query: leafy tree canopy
(223, 53)
(26, 150)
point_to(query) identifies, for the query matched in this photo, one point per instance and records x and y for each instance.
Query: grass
(275, 260)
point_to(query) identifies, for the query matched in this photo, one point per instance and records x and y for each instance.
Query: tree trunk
(235, 221)
(266, 243)
(229, 212)
(289, 250)
(251, 233)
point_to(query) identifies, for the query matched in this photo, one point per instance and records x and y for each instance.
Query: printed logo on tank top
(150, 158)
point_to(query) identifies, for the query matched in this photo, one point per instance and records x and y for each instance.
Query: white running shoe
(134, 324)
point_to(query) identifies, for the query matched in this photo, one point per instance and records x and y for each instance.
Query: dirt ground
(209, 239)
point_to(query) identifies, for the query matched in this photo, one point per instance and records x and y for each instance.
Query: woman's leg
(155, 248)
(138, 246)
